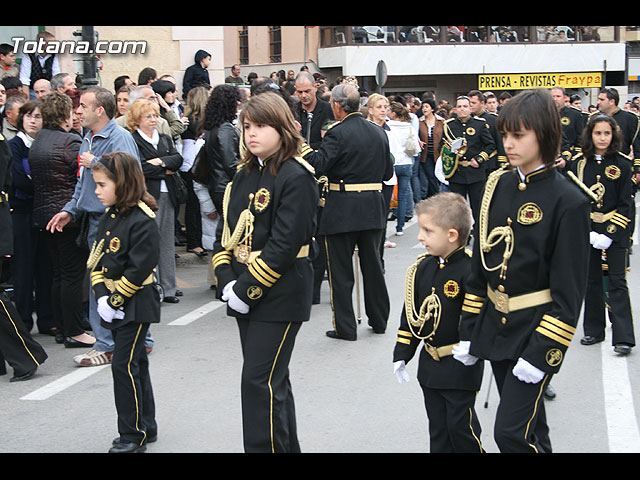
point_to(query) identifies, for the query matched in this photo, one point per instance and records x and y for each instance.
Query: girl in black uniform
(529, 271)
(607, 173)
(122, 263)
(261, 261)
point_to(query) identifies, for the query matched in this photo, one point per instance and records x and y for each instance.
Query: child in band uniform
(435, 290)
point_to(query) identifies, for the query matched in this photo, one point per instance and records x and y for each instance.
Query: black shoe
(201, 253)
(60, 337)
(549, 393)
(171, 299)
(179, 293)
(622, 348)
(72, 343)
(24, 376)
(589, 340)
(333, 334)
(376, 330)
(149, 439)
(127, 447)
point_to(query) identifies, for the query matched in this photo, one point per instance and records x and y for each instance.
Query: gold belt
(112, 284)
(355, 187)
(303, 252)
(464, 163)
(505, 304)
(599, 217)
(438, 352)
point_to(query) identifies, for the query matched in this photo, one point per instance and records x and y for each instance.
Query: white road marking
(63, 383)
(83, 373)
(622, 425)
(197, 313)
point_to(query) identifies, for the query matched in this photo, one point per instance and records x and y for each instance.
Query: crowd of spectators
(188, 144)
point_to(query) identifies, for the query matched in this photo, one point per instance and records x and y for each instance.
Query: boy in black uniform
(470, 172)
(529, 271)
(435, 288)
(607, 173)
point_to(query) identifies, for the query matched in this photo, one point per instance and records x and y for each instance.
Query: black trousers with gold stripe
(133, 393)
(268, 407)
(17, 346)
(340, 248)
(617, 293)
(521, 421)
(453, 423)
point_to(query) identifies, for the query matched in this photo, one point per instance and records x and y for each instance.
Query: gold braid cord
(96, 255)
(596, 191)
(244, 228)
(497, 234)
(430, 308)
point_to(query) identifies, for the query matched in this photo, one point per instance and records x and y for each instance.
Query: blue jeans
(404, 173)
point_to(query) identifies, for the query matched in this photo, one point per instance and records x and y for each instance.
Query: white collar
(25, 138)
(523, 176)
(153, 140)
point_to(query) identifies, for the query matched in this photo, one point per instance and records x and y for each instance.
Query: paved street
(347, 397)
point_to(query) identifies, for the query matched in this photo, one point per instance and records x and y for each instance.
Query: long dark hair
(271, 109)
(588, 148)
(534, 110)
(125, 171)
(222, 106)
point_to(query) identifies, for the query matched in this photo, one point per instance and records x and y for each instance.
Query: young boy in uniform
(434, 294)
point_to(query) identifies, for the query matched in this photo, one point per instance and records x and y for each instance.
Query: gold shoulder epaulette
(306, 165)
(306, 149)
(479, 118)
(145, 208)
(449, 119)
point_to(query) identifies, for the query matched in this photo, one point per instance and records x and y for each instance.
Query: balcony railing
(377, 35)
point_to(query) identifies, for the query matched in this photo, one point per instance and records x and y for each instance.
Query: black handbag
(180, 188)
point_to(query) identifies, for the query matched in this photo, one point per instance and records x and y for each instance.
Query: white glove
(602, 242)
(399, 369)
(525, 372)
(229, 296)
(593, 237)
(461, 353)
(108, 313)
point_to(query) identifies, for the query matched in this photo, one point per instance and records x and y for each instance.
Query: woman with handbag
(403, 143)
(160, 164)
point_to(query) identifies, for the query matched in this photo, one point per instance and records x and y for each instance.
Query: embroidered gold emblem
(565, 121)
(261, 199)
(117, 300)
(114, 244)
(554, 357)
(612, 228)
(451, 289)
(529, 213)
(254, 292)
(612, 172)
(471, 131)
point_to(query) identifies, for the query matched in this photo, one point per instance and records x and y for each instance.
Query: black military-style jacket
(572, 121)
(498, 158)
(548, 216)
(480, 146)
(277, 283)
(449, 279)
(354, 152)
(612, 216)
(629, 124)
(123, 261)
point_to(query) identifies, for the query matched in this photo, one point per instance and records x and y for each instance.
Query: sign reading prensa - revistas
(526, 81)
